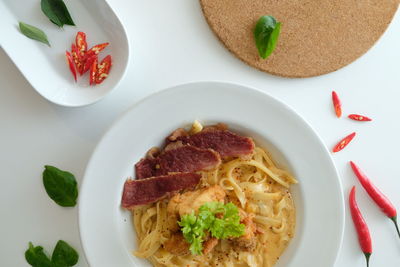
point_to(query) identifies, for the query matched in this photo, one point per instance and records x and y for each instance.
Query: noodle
(258, 186)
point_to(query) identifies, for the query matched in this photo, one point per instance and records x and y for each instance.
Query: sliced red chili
(81, 43)
(70, 63)
(357, 117)
(103, 69)
(78, 59)
(344, 142)
(95, 50)
(88, 63)
(337, 104)
(93, 72)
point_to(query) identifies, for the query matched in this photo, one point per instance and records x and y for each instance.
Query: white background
(170, 44)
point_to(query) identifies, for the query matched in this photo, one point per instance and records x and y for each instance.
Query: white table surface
(171, 44)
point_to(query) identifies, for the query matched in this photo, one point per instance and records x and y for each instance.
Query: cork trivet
(317, 36)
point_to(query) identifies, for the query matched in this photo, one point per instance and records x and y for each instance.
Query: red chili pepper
(80, 41)
(379, 198)
(337, 104)
(364, 237)
(103, 69)
(78, 59)
(344, 142)
(88, 63)
(95, 50)
(70, 63)
(357, 117)
(93, 72)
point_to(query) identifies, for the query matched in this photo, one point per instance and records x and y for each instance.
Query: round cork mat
(317, 36)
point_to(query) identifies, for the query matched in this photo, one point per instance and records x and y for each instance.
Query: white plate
(45, 67)
(106, 229)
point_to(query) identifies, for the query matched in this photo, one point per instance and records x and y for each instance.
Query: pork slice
(226, 143)
(150, 190)
(248, 240)
(181, 159)
(191, 201)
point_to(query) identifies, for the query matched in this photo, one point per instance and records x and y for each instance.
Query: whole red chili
(357, 117)
(337, 104)
(364, 237)
(344, 142)
(379, 198)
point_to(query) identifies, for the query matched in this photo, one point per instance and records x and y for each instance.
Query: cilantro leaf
(194, 228)
(196, 247)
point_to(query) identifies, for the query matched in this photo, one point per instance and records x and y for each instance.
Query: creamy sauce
(248, 188)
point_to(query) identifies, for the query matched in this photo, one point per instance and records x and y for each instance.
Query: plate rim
(341, 205)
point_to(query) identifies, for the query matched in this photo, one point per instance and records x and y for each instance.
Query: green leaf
(64, 255)
(36, 257)
(57, 12)
(213, 207)
(266, 35)
(61, 186)
(194, 228)
(33, 33)
(196, 246)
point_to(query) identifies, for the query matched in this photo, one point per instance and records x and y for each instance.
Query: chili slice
(78, 59)
(88, 63)
(93, 72)
(95, 50)
(377, 196)
(344, 142)
(337, 104)
(357, 117)
(103, 69)
(81, 44)
(70, 63)
(364, 237)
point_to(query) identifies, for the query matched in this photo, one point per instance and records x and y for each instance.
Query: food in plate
(210, 197)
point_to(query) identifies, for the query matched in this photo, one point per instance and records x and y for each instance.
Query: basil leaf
(57, 12)
(61, 186)
(36, 257)
(64, 255)
(33, 33)
(266, 35)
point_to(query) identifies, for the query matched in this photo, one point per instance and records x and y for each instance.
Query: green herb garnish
(63, 256)
(33, 33)
(266, 35)
(36, 257)
(57, 12)
(194, 228)
(61, 186)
